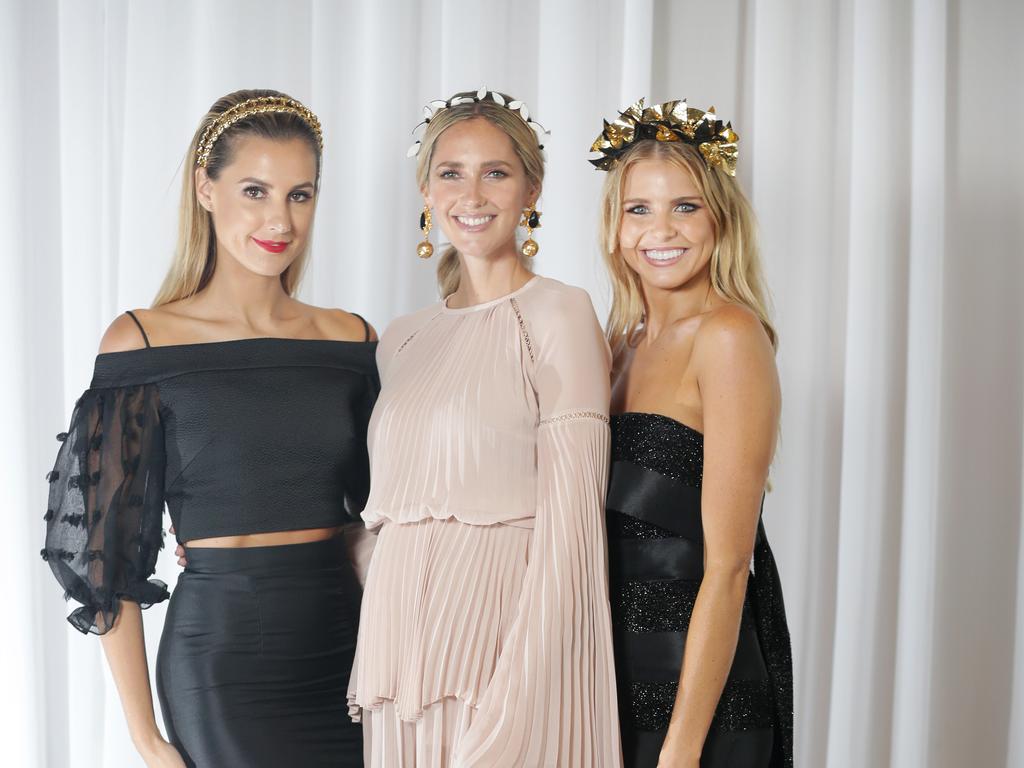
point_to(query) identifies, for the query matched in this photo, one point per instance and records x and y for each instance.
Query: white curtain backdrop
(881, 144)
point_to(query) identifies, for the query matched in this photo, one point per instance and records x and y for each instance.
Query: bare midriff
(274, 539)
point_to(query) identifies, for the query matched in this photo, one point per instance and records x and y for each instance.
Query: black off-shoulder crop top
(237, 437)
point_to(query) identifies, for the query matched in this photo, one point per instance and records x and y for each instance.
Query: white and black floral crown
(469, 97)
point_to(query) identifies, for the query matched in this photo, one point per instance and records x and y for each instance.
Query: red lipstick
(274, 246)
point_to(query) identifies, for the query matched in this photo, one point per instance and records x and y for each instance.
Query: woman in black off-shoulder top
(245, 412)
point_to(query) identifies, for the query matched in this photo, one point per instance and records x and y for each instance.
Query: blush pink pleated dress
(485, 637)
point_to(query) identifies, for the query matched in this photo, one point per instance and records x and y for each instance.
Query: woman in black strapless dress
(656, 547)
(703, 660)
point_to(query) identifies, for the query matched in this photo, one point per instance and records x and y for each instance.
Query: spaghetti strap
(366, 326)
(142, 330)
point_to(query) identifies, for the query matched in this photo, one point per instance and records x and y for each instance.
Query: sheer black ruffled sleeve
(104, 517)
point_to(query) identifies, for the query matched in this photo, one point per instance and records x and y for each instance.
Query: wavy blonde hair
(736, 272)
(524, 141)
(195, 257)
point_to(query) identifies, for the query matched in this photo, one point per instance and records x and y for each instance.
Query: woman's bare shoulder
(338, 324)
(731, 324)
(168, 324)
(733, 345)
(122, 335)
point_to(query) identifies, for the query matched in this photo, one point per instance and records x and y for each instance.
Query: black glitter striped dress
(656, 561)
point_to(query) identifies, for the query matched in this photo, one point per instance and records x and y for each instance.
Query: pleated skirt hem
(429, 741)
(438, 605)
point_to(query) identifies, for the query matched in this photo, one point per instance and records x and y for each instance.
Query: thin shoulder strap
(142, 330)
(366, 326)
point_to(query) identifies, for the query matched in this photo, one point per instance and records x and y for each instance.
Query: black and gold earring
(425, 250)
(531, 220)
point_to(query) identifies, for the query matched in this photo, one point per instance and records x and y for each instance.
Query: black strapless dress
(656, 561)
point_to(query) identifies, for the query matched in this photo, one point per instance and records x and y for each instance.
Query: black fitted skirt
(255, 657)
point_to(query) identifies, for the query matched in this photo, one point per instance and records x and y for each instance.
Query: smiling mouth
(663, 256)
(473, 223)
(274, 246)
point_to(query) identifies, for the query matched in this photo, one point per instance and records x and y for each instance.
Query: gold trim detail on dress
(522, 327)
(574, 416)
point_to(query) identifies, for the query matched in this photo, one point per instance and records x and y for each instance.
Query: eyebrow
(262, 183)
(455, 164)
(687, 199)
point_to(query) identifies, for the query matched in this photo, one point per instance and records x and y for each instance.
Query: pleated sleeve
(551, 700)
(104, 517)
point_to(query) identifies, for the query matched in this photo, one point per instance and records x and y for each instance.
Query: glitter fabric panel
(773, 633)
(745, 705)
(652, 705)
(660, 444)
(655, 606)
(621, 526)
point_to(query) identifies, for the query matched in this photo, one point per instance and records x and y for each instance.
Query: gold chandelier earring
(425, 250)
(531, 220)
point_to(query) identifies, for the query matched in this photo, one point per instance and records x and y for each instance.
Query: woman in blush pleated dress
(702, 648)
(485, 635)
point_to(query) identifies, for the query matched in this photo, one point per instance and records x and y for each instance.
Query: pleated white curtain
(880, 142)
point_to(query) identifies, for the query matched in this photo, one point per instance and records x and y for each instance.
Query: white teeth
(665, 255)
(473, 221)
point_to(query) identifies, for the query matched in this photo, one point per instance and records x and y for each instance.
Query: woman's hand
(179, 551)
(158, 753)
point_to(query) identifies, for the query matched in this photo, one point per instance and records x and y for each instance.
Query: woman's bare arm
(740, 399)
(124, 646)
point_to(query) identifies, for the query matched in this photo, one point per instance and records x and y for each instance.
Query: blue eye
(499, 174)
(448, 174)
(637, 209)
(687, 207)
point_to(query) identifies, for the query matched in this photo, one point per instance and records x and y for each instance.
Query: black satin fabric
(255, 657)
(656, 563)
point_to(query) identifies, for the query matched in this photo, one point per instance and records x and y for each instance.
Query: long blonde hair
(195, 257)
(736, 271)
(524, 141)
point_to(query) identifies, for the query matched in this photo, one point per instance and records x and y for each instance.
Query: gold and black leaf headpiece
(671, 121)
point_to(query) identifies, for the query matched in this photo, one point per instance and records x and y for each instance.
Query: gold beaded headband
(248, 108)
(671, 121)
(513, 105)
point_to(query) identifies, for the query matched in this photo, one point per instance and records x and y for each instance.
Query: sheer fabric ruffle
(104, 517)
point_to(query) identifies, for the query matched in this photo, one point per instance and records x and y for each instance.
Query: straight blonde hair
(736, 272)
(195, 257)
(524, 141)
